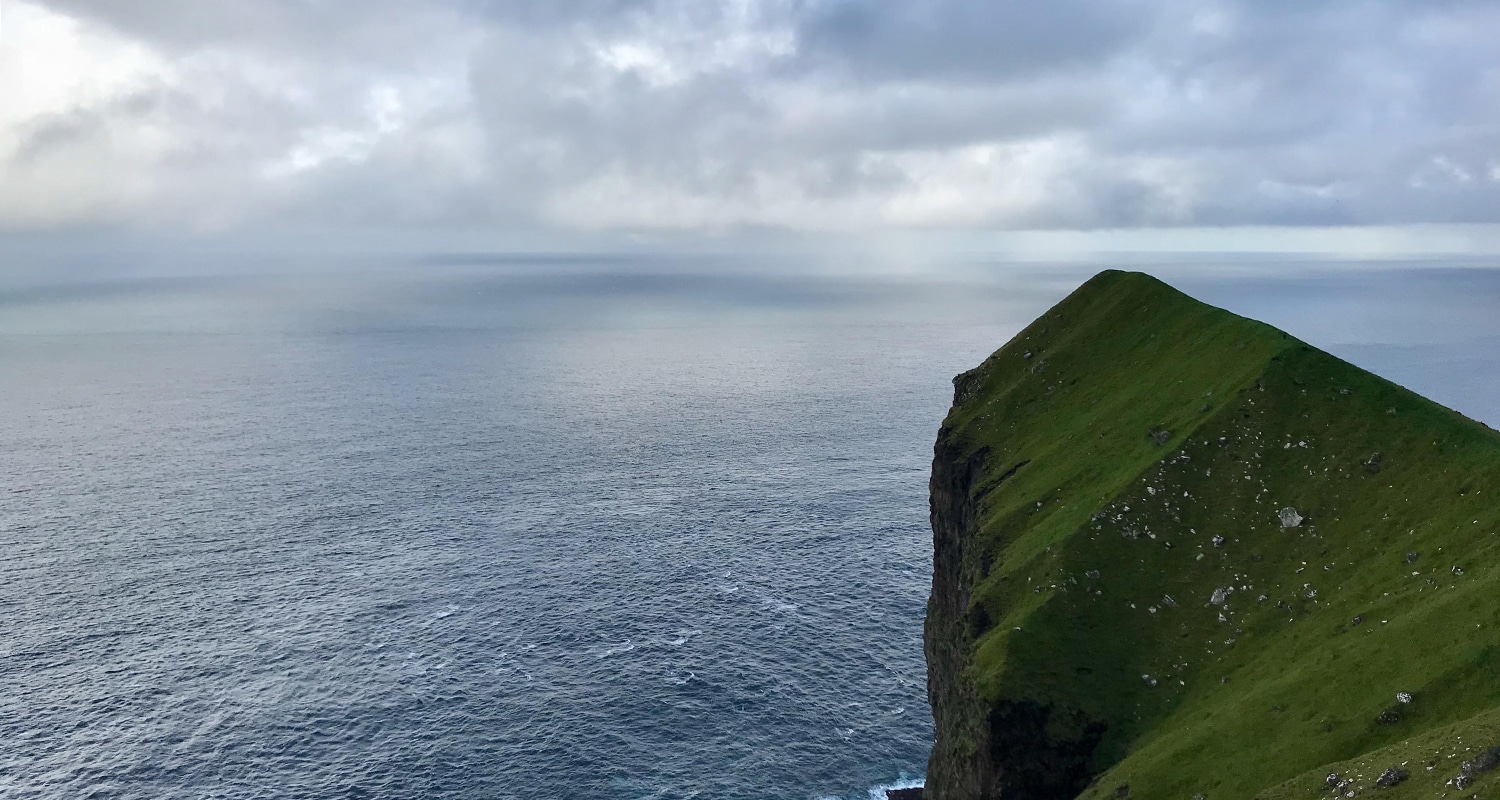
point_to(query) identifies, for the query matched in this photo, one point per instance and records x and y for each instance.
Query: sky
(1368, 122)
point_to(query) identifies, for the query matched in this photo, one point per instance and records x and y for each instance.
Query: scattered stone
(1344, 392)
(1333, 779)
(1150, 681)
(1357, 621)
(1122, 791)
(1463, 781)
(905, 794)
(1092, 574)
(1391, 777)
(1027, 355)
(1218, 541)
(1289, 518)
(1200, 796)
(1039, 367)
(1388, 717)
(1372, 464)
(1457, 570)
(1411, 558)
(1161, 435)
(1220, 595)
(1167, 601)
(1403, 697)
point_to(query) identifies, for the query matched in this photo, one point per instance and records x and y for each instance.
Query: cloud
(648, 115)
(962, 40)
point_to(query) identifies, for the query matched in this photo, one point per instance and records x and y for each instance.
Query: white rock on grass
(1290, 518)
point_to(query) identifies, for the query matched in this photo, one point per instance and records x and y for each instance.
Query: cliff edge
(1181, 554)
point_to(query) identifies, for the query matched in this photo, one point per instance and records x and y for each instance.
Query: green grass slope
(1139, 448)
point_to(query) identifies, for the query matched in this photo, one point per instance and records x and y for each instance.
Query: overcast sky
(673, 116)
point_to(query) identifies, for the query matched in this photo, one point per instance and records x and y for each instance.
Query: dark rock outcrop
(1019, 749)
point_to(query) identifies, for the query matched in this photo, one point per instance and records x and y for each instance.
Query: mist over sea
(609, 528)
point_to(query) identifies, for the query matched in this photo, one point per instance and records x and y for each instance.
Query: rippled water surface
(540, 533)
(483, 540)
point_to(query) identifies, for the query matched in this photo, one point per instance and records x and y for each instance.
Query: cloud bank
(803, 115)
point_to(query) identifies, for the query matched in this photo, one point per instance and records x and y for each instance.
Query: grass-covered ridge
(1139, 446)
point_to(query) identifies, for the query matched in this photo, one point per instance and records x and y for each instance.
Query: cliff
(1179, 553)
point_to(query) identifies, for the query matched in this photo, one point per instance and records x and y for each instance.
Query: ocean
(551, 529)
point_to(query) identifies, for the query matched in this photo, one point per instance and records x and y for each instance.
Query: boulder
(1484, 762)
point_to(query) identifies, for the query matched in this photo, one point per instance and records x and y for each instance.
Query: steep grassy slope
(1118, 601)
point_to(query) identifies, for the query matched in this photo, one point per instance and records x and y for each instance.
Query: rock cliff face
(1180, 553)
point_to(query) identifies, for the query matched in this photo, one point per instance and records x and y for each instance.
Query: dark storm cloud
(808, 113)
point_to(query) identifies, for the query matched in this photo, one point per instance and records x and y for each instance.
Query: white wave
(904, 782)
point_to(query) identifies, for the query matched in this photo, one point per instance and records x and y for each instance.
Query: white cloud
(674, 115)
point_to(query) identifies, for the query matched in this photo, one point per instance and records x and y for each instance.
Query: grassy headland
(1215, 555)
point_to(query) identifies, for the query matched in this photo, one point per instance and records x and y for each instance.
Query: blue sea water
(466, 535)
(482, 532)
